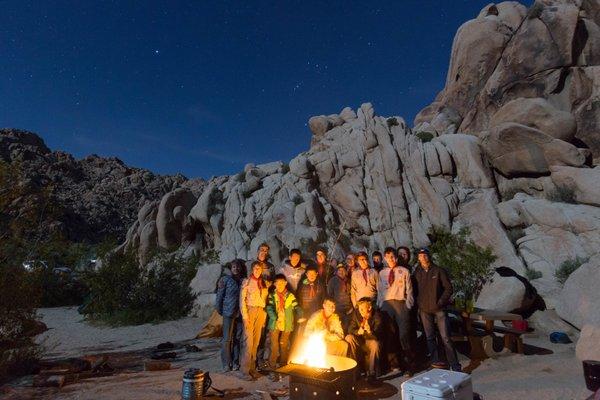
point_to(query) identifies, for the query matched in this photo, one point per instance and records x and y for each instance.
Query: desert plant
(424, 136)
(298, 199)
(567, 267)
(532, 274)
(562, 194)
(285, 168)
(241, 177)
(123, 293)
(515, 234)
(392, 122)
(469, 265)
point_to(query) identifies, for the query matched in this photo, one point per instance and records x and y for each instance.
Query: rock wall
(514, 154)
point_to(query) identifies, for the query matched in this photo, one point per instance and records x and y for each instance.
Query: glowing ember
(312, 352)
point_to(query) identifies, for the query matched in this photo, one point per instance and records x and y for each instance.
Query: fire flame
(312, 352)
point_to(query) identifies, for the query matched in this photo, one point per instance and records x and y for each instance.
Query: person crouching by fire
(326, 321)
(253, 296)
(365, 334)
(282, 309)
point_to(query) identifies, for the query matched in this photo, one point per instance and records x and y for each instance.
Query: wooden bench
(511, 335)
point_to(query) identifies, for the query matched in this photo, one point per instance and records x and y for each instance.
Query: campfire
(315, 374)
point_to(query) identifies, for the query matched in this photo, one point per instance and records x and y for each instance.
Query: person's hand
(349, 311)
(361, 331)
(301, 320)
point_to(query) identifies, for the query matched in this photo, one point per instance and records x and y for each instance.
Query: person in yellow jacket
(253, 297)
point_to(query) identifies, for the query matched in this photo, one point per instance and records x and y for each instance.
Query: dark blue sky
(203, 88)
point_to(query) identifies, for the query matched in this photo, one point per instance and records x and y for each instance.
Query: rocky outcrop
(510, 64)
(95, 197)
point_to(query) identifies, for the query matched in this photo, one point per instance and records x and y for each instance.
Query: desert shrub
(123, 293)
(285, 168)
(392, 122)
(424, 136)
(241, 177)
(209, 256)
(562, 194)
(567, 268)
(515, 234)
(469, 265)
(298, 199)
(532, 274)
(510, 193)
(19, 298)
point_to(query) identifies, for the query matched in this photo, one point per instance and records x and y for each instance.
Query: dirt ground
(557, 375)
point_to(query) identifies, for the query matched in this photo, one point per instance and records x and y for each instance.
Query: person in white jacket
(395, 298)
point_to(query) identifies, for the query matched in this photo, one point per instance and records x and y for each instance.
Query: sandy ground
(509, 376)
(69, 335)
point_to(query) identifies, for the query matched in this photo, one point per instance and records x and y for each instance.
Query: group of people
(354, 305)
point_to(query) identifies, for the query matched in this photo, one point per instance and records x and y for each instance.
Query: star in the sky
(156, 51)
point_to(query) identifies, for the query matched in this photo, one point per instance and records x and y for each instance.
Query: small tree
(468, 264)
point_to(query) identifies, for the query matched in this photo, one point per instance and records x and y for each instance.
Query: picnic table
(479, 327)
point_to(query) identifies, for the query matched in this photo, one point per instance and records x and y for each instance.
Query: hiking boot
(255, 374)
(247, 377)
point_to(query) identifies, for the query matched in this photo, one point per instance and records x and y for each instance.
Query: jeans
(230, 346)
(253, 327)
(400, 314)
(439, 318)
(280, 342)
(361, 346)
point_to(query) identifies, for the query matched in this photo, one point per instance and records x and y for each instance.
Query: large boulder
(539, 114)
(518, 150)
(584, 182)
(206, 278)
(579, 298)
(588, 345)
(172, 210)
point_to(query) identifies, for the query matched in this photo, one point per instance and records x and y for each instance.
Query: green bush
(562, 194)
(532, 274)
(424, 136)
(469, 265)
(123, 293)
(515, 234)
(392, 122)
(567, 268)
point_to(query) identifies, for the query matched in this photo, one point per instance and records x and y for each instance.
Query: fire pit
(338, 381)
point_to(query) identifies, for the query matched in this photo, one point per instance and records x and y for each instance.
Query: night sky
(203, 88)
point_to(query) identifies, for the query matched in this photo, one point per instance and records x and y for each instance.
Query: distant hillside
(92, 198)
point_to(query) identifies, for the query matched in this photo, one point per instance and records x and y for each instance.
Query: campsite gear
(196, 384)
(438, 384)
(591, 372)
(520, 325)
(163, 355)
(336, 382)
(560, 337)
(165, 346)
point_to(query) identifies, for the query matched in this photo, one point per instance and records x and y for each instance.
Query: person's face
(311, 275)
(350, 260)
(280, 285)
(403, 254)
(329, 308)
(390, 259)
(263, 253)
(295, 259)
(341, 272)
(377, 259)
(364, 309)
(363, 262)
(257, 271)
(320, 257)
(423, 259)
(235, 269)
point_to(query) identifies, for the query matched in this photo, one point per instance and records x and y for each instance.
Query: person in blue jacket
(228, 306)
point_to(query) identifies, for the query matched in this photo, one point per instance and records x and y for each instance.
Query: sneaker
(438, 364)
(235, 367)
(224, 370)
(247, 377)
(255, 374)
(408, 373)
